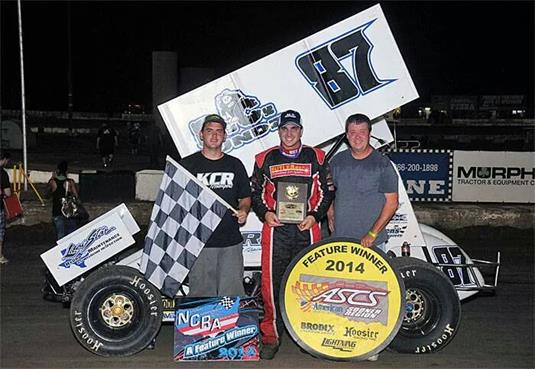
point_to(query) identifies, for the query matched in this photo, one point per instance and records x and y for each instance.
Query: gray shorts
(217, 271)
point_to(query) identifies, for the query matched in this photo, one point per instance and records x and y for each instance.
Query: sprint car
(115, 311)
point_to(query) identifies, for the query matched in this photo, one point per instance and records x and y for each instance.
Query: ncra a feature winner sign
(342, 301)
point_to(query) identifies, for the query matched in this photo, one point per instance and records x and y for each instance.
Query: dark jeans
(64, 226)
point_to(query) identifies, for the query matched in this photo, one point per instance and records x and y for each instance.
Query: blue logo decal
(247, 119)
(251, 241)
(77, 253)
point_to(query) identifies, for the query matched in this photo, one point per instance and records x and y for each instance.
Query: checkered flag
(227, 302)
(185, 214)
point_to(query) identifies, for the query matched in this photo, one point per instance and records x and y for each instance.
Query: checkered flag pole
(185, 214)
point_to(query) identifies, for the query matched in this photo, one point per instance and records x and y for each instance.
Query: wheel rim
(415, 306)
(117, 310)
(114, 313)
(422, 312)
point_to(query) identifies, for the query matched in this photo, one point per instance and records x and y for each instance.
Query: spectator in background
(107, 140)
(60, 186)
(134, 137)
(156, 144)
(5, 190)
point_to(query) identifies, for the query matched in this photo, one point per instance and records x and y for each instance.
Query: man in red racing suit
(290, 162)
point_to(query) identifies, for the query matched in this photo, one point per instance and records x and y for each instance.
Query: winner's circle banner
(342, 301)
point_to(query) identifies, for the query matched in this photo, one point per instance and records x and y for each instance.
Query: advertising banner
(491, 176)
(502, 102)
(426, 174)
(352, 66)
(216, 329)
(403, 227)
(342, 301)
(90, 245)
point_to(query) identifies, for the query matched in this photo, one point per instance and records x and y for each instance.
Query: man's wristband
(373, 234)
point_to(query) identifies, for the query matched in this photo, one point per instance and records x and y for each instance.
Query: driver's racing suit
(281, 244)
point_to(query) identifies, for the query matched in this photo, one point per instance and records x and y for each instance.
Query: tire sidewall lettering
(407, 274)
(92, 342)
(435, 345)
(145, 291)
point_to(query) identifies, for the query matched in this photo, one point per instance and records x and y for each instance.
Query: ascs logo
(351, 296)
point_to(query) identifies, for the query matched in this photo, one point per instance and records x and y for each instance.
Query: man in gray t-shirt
(366, 185)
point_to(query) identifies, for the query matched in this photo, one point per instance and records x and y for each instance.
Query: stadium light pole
(69, 65)
(23, 99)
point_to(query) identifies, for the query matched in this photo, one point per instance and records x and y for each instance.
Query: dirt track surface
(495, 332)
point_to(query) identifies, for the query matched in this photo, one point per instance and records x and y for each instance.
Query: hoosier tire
(433, 309)
(116, 312)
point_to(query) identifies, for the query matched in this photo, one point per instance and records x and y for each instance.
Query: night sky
(450, 48)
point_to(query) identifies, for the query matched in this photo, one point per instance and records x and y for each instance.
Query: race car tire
(433, 309)
(116, 312)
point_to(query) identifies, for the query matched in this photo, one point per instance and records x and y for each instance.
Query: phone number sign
(426, 174)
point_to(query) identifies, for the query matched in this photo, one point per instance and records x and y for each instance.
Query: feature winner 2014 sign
(342, 301)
